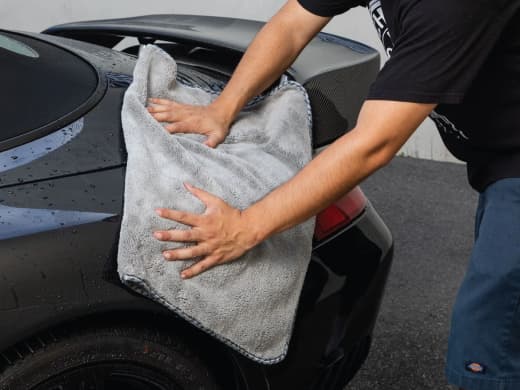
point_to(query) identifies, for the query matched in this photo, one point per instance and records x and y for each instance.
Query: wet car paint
(31, 151)
(60, 273)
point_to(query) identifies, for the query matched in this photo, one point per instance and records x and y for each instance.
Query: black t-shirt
(463, 55)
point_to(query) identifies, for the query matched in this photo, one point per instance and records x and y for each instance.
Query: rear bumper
(338, 309)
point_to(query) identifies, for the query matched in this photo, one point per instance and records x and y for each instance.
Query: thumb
(213, 141)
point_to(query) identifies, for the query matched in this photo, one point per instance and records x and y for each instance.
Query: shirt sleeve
(329, 8)
(439, 50)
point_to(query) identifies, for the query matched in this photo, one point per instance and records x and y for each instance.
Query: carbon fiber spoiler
(335, 71)
(325, 53)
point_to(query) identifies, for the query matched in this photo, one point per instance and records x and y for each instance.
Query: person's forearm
(223, 233)
(380, 132)
(332, 173)
(273, 50)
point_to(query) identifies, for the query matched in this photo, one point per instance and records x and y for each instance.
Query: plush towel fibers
(248, 304)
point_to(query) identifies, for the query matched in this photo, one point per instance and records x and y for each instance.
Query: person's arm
(272, 51)
(222, 233)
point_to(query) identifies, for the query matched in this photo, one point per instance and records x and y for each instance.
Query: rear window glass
(42, 85)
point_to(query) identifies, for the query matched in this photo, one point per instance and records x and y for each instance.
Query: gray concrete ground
(429, 208)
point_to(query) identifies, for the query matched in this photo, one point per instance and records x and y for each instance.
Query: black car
(66, 320)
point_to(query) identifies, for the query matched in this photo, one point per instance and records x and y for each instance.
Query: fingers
(205, 197)
(212, 141)
(191, 253)
(187, 253)
(185, 118)
(199, 267)
(165, 116)
(208, 233)
(158, 108)
(190, 235)
(163, 110)
(179, 127)
(164, 102)
(161, 105)
(179, 216)
(177, 123)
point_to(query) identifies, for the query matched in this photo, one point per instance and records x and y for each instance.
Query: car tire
(109, 358)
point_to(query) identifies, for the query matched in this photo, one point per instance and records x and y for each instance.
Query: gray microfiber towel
(249, 304)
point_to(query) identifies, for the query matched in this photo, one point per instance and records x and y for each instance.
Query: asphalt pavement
(429, 207)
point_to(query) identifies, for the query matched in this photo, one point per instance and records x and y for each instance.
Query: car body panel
(81, 95)
(60, 215)
(91, 143)
(335, 71)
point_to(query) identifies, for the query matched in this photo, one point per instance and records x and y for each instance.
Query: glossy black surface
(55, 83)
(91, 143)
(338, 307)
(335, 71)
(220, 33)
(61, 201)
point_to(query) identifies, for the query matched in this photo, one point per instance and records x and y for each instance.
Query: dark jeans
(484, 343)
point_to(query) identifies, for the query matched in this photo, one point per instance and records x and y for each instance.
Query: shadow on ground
(429, 207)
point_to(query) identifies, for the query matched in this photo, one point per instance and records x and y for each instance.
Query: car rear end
(352, 246)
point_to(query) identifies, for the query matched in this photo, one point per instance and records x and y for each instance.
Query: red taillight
(340, 214)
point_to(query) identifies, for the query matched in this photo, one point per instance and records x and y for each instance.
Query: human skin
(222, 233)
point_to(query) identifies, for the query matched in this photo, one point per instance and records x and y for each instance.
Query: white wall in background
(36, 15)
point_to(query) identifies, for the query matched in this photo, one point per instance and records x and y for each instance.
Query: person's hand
(185, 118)
(219, 235)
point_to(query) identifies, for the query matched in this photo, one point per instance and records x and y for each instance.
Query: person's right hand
(185, 118)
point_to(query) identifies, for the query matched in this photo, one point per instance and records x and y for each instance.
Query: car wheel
(109, 358)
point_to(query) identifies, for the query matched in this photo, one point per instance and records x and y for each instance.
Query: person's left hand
(220, 234)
